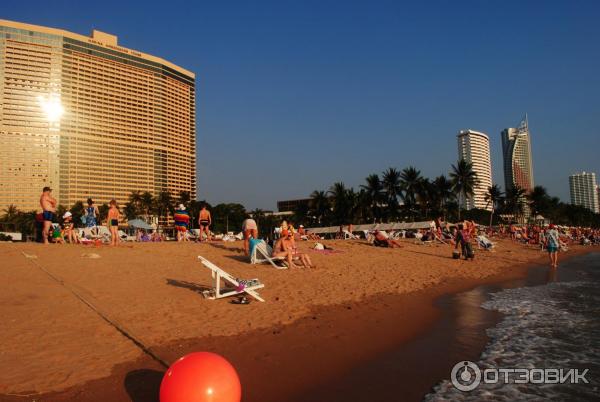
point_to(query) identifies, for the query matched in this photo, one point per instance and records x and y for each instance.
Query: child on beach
(113, 222)
(69, 231)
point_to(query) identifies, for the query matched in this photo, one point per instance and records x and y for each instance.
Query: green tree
(340, 203)
(464, 180)
(164, 205)
(514, 201)
(493, 197)
(320, 206)
(410, 181)
(443, 194)
(373, 195)
(10, 213)
(147, 203)
(538, 201)
(102, 212)
(393, 189)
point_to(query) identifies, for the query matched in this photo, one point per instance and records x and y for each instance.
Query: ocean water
(555, 325)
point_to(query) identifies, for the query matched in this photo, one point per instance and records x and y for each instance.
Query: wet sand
(316, 326)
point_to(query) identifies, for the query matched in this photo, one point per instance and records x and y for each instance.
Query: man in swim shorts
(48, 204)
(204, 221)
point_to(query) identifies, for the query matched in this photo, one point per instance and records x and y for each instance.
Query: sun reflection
(51, 107)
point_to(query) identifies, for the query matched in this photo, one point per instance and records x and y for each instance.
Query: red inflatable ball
(201, 377)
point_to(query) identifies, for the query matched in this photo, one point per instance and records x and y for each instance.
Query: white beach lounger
(484, 243)
(262, 253)
(218, 274)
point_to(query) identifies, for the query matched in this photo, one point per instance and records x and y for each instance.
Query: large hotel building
(90, 118)
(516, 152)
(584, 190)
(474, 147)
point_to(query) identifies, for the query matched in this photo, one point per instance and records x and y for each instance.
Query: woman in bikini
(286, 247)
(113, 222)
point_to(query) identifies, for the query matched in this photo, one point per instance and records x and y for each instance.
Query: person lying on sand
(382, 240)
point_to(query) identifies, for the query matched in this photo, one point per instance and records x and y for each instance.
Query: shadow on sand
(143, 385)
(194, 287)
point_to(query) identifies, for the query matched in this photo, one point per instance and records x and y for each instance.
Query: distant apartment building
(474, 147)
(293, 205)
(584, 190)
(90, 118)
(516, 152)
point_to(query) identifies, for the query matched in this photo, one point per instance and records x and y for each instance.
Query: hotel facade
(474, 147)
(90, 118)
(584, 190)
(516, 152)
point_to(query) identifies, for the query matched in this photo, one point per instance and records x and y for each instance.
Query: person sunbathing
(286, 247)
(382, 240)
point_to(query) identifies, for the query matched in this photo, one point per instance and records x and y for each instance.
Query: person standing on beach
(204, 221)
(182, 219)
(552, 245)
(250, 229)
(48, 204)
(112, 222)
(91, 215)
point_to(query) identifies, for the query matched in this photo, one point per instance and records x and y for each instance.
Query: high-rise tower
(474, 147)
(516, 152)
(90, 118)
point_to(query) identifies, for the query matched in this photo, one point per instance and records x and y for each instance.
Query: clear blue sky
(296, 95)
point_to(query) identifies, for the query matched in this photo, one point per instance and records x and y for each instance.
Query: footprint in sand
(90, 255)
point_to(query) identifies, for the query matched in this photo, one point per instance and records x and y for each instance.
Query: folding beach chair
(240, 286)
(262, 252)
(349, 236)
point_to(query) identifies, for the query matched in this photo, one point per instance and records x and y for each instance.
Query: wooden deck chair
(262, 253)
(219, 276)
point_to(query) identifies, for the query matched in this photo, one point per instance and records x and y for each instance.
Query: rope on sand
(104, 316)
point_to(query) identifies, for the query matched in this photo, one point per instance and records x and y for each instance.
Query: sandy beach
(357, 303)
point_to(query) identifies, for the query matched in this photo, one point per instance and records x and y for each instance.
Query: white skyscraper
(584, 190)
(474, 147)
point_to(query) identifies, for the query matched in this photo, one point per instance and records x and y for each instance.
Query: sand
(54, 342)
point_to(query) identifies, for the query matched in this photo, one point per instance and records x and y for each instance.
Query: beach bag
(319, 246)
(455, 254)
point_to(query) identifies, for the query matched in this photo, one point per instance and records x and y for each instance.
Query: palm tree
(538, 200)
(410, 180)
(340, 202)
(135, 202)
(464, 180)
(320, 205)
(393, 189)
(373, 194)
(10, 213)
(443, 193)
(164, 205)
(514, 201)
(147, 203)
(426, 196)
(492, 198)
(185, 198)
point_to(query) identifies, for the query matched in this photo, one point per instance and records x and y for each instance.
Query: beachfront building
(474, 147)
(90, 118)
(518, 164)
(516, 152)
(584, 190)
